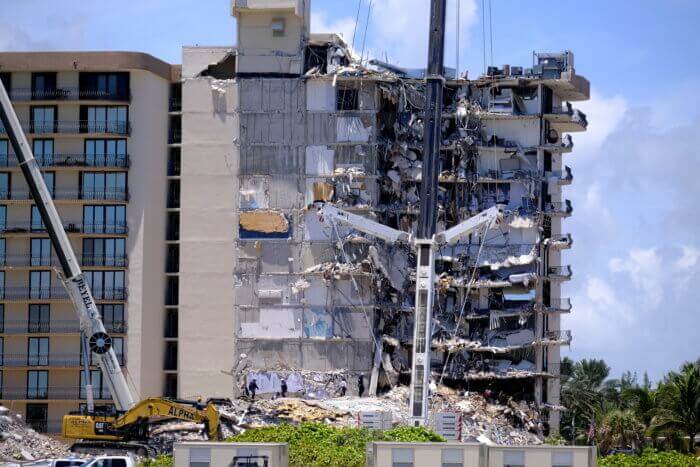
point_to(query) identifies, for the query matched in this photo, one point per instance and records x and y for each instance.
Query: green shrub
(649, 458)
(316, 444)
(160, 461)
(555, 440)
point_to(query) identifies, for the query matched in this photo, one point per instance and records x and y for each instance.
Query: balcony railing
(508, 175)
(57, 293)
(58, 360)
(559, 209)
(59, 326)
(559, 273)
(72, 160)
(66, 94)
(19, 261)
(559, 242)
(120, 261)
(98, 195)
(75, 127)
(561, 305)
(562, 337)
(111, 229)
(64, 393)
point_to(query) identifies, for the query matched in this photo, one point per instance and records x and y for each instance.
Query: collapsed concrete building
(287, 120)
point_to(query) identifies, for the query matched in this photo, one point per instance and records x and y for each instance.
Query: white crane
(425, 284)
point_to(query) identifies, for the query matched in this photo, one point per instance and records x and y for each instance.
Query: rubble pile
(18, 441)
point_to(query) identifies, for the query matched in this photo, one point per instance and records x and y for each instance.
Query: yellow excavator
(127, 426)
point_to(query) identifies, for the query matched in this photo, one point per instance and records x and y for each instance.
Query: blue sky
(636, 252)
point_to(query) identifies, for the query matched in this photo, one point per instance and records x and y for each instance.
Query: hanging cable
(491, 31)
(357, 20)
(483, 31)
(364, 39)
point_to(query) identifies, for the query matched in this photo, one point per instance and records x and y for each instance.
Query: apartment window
(37, 414)
(113, 317)
(104, 86)
(105, 119)
(50, 180)
(3, 217)
(173, 194)
(104, 252)
(2, 284)
(105, 152)
(100, 390)
(452, 458)
(4, 153)
(5, 185)
(200, 457)
(562, 459)
(2, 320)
(170, 389)
(106, 285)
(402, 457)
(172, 291)
(40, 284)
(0, 381)
(174, 162)
(37, 384)
(38, 351)
(347, 99)
(104, 219)
(3, 251)
(173, 233)
(40, 252)
(103, 185)
(43, 119)
(171, 323)
(39, 318)
(278, 27)
(43, 151)
(173, 259)
(43, 86)
(37, 224)
(513, 459)
(170, 356)
(2, 349)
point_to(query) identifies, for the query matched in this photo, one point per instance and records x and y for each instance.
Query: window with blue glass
(104, 185)
(104, 219)
(37, 224)
(37, 384)
(104, 252)
(3, 217)
(105, 152)
(106, 119)
(4, 153)
(43, 151)
(50, 180)
(40, 285)
(39, 318)
(3, 251)
(38, 351)
(106, 285)
(5, 185)
(40, 252)
(43, 119)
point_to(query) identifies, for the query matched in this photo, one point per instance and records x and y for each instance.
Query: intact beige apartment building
(98, 124)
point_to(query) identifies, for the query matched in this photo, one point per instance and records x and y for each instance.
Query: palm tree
(595, 371)
(642, 400)
(620, 429)
(582, 400)
(679, 404)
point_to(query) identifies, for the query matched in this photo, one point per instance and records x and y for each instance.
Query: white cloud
(644, 269)
(688, 260)
(320, 22)
(605, 114)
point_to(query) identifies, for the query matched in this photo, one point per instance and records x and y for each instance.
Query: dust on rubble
(19, 442)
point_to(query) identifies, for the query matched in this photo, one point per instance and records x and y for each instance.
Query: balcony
(64, 394)
(28, 261)
(21, 294)
(564, 177)
(73, 160)
(557, 338)
(66, 94)
(559, 242)
(558, 305)
(558, 209)
(507, 175)
(118, 261)
(559, 273)
(75, 127)
(567, 119)
(52, 360)
(69, 195)
(57, 326)
(70, 228)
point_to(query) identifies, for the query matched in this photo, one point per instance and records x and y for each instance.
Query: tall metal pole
(425, 245)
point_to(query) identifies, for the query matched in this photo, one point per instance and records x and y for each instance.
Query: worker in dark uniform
(360, 385)
(252, 388)
(283, 388)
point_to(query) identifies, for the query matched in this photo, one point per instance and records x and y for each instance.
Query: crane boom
(72, 277)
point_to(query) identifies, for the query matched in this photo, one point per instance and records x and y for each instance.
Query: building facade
(98, 125)
(209, 182)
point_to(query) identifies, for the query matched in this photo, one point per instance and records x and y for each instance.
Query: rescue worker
(283, 388)
(343, 387)
(252, 388)
(360, 385)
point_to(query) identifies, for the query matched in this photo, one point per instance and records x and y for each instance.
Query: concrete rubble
(19, 442)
